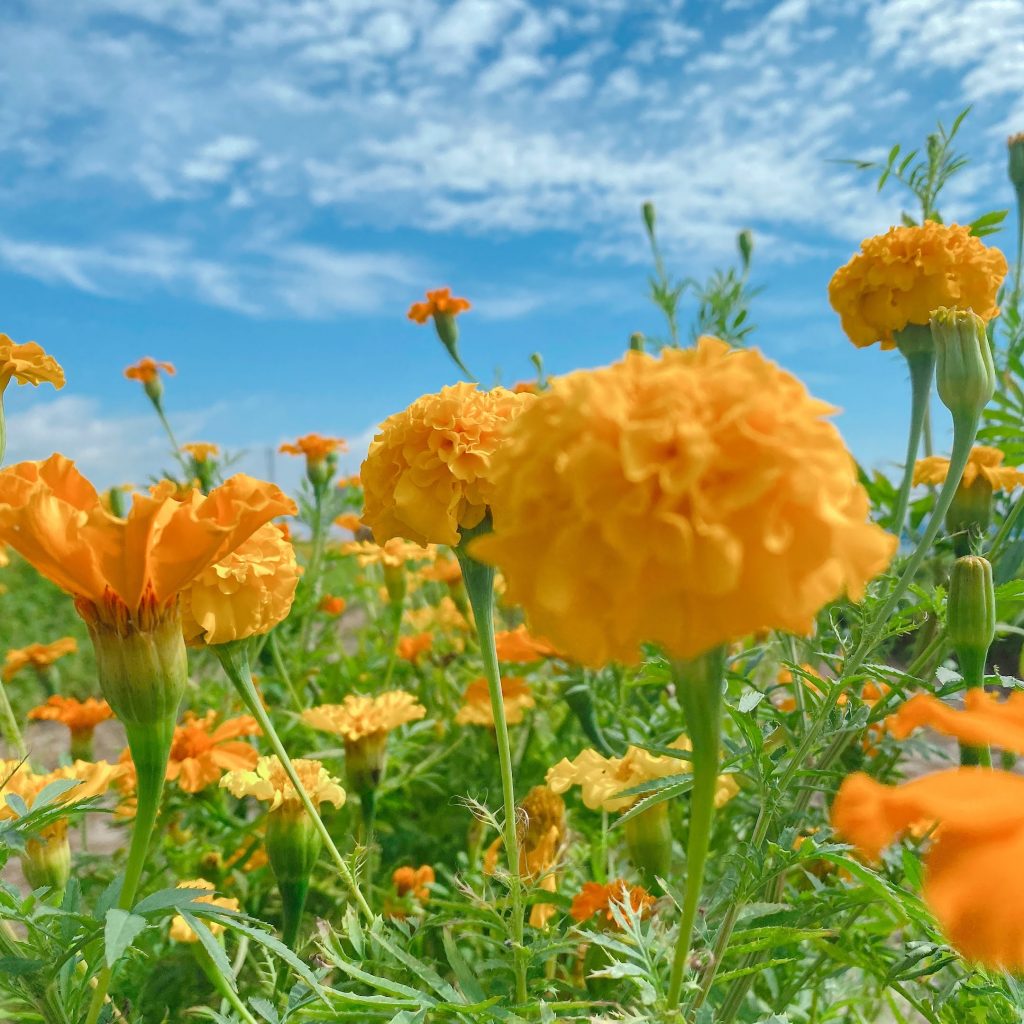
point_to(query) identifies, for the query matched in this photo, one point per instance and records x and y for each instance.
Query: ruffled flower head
(439, 302)
(39, 656)
(246, 593)
(269, 783)
(147, 370)
(359, 716)
(984, 463)
(517, 647)
(427, 473)
(80, 716)
(181, 930)
(602, 779)
(28, 364)
(201, 451)
(898, 278)
(687, 500)
(595, 898)
(392, 554)
(476, 702)
(315, 447)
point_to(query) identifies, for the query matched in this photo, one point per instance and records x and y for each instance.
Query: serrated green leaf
(119, 933)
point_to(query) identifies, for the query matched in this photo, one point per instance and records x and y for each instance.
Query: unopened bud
(964, 370)
(1015, 145)
(971, 609)
(649, 838)
(649, 217)
(46, 861)
(970, 513)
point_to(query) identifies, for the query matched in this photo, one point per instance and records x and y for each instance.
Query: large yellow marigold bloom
(147, 370)
(39, 656)
(181, 930)
(688, 500)
(359, 716)
(246, 593)
(28, 364)
(972, 882)
(427, 473)
(898, 279)
(602, 779)
(126, 570)
(269, 783)
(476, 702)
(984, 463)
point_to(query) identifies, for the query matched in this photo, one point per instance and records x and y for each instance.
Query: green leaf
(750, 700)
(467, 979)
(120, 932)
(212, 946)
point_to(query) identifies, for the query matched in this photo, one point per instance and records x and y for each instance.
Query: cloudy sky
(257, 189)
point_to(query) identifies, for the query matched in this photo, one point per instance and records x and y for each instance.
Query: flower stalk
(915, 343)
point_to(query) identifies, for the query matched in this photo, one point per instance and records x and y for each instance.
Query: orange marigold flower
(203, 751)
(349, 521)
(687, 500)
(438, 301)
(332, 604)
(181, 930)
(972, 880)
(444, 570)
(414, 881)
(602, 779)
(427, 473)
(269, 783)
(476, 702)
(28, 364)
(201, 451)
(412, 648)
(147, 370)
(392, 554)
(443, 617)
(984, 463)
(39, 656)
(517, 647)
(595, 898)
(984, 720)
(898, 279)
(360, 716)
(314, 447)
(526, 387)
(80, 716)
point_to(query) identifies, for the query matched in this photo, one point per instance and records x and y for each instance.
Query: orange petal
(984, 720)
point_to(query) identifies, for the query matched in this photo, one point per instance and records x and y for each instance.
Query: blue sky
(256, 190)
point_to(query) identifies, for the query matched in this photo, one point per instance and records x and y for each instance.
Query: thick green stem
(479, 581)
(234, 657)
(699, 684)
(972, 668)
(10, 725)
(293, 903)
(921, 361)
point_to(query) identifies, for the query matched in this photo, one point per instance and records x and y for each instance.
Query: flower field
(620, 695)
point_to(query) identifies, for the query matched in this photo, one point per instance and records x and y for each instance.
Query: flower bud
(964, 370)
(970, 513)
(649, 216)
(365, 760)
(649, 837)
(971, 610)
(46, 861)
(293, 843)
(1015, 145)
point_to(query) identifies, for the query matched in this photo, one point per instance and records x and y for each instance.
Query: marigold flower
(349, 521)
(81, 718)
(28, 364)
(414, 881)
(898, 278)
(984, 463)
(439, 301)
(476, 702)
(39, 656)
(315, 447)
(444, 570)
(359, 716)
(412, 648)
(595, 898)
(541, 832)
(443, 617)
(202, 751)
(147, 370)
(687, 500)
(181, 931)
(392, 554)
(972, 880)
(201, 451)
(246, 593)
(984, 720)
(332, 604)
(269, 783)
(602, 779)
(517, 647)
(427, 473)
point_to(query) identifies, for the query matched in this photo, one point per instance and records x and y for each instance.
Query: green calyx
(964, 370)
(649, 838)
(293, 843)
(969, 514)
(971, 608)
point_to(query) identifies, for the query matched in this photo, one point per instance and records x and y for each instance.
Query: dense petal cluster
(595, 898)
(439, 301)
(269, 782)
(983, 463)
(315, 447)
(28, 364)
(147, 370)
(602, 778)
(427, 473)
(80, 716)
(246, 593)
(181, 930)
(898, 278)
(476, 702)
(358, 715)
(687, 500)
(54, 518)
(972, 879)
(39, 656)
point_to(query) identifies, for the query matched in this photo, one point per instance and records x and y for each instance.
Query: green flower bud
(47, 861)
(155, 389)
(293, 843)
(971, 611)
(649, 216)
(970, 513)
(1015, 145)
(649, 838)
(964, 370)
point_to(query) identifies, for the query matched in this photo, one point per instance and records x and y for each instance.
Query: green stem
(479, 580)
(14, 736)
(699, 684)
(282, 671)
(921, 362)
(313, 569)
(182, 461)
(224, 988)
(234, 657)
(1020, 244)
(150, 746)
(972, 668)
